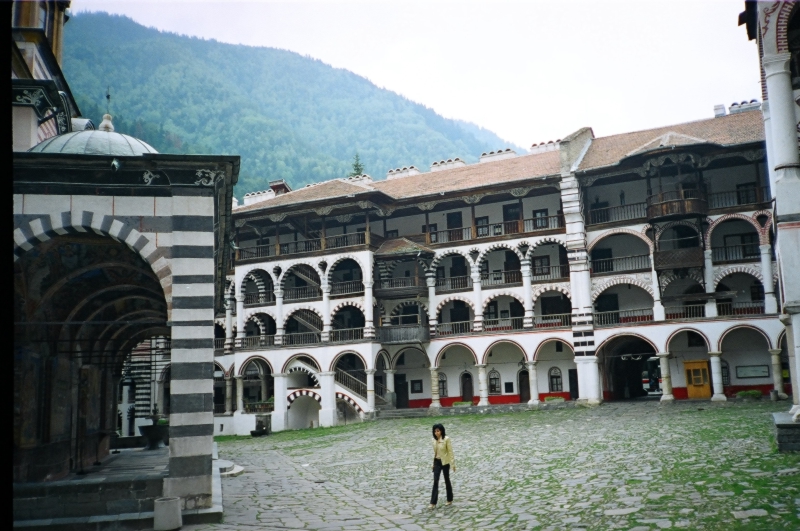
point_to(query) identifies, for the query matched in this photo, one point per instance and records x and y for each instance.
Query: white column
(369, 310)
(768, 139)
(782, 118)
(476, 295)
(588, 379)
(327, 415)
(279, 317)
(708, 277)
(280, 414)
(326, 310)
(228, 395)
(430, 279)
(777, 372)
(390, 379)
(794, 346)
(716, 377)
(770, 303)
(658, 307)
(264, 388)
(240, 316)
(370, 389)
(435, 388)
(666, 379)
(533, 381)
(229, 305)
(483, 388)
(239, 394)
(527, 294)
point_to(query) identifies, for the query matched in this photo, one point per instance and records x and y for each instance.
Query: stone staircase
(309, 319)
(385, 414)
(306, 273)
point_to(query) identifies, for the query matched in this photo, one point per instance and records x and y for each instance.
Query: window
(392, 234)
(541, 265)
(491, 310)
(494, 382)
(757, 292)
(540, 219)
(726, 373)
(509, 387)
(695, 340)
(559, 346)
(432, 229)
(442, 384)
(416, 386)
(556, 383)
(482, 226)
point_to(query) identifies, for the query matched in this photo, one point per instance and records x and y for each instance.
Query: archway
(452, 273)
(257, 288)
(304, 412)
(455, 317)
(456, 364)
(735, 241)
(552, 309)
(347, 324)
(258, 385)
(346, 278)
(501, 267)
(748, 361)
(549, 262)
(505, 360)
(677, 301)
(630, 368)
(557, 374)
(746, 295)
(620, 252)
(623, 304)
(412, 378)
(303, 327)
(690, 367)
(502, 313)
(301, 282)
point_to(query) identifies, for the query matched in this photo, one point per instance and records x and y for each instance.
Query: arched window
(556, 383)
(494, 383)
(442, 384)
(251, 373)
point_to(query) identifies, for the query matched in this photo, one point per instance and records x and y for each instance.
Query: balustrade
(302, 338)
(403, 282)
(449, 329)
(259, 407)
(545, 273)
(259, 299)
(644, 315)
(403, 333)
(501, 278)
(254, 342)
(687, 311)
(502, 324)
(257, 251)
(558, 320)
(346, 240)
(617, 213)
(743, 196)
(736, 253)
(349, 381)
(450, 235)
(740, 308)
(682, 202)
(305, 292)
(453, 283)
(305, 246)
(347, 334)
(219, 409)
(622, 263)
(219, 343)
(347, 288)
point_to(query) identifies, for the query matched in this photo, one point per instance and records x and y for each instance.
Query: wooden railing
(501, 278)
(740, 308)
(545, 273)
(302, 293)
(380, 390)
(257, 251)
(687, 311)
(259, 407)
(302, 338)
(743, 196)
(347, 334)
(259, 299)
(453, 283)
(736, 253)
(618, 317)
(352, 383)
(254, 342)
(617, 213)
(502, 324)
(450, 329)
(450, 235)
(543, 223)
(305, 246)
(676, 203)
(404, 333)
(678, 258)
(347, 288)
(219, 343)
(346, 240)
(623, 263)
(403, 282)
(558, 320)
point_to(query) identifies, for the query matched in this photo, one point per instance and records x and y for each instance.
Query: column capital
(327, 373)
(481, 365)
(663, 354)
(368, 283)
(530, 363)
(228, 377)
(715, 354)
(776, 63)
(708, 254)
(239, 298)
(239, 377)
(434, 369)
(775, 351)
(390, 371)
(765, 248)
(278, 293)
(370, 371)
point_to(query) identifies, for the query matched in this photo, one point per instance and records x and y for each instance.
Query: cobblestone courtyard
(691, 465)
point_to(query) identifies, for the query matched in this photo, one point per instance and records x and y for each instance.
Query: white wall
(635, 192)
(634, 298)
(746, 347)
(623, 245)
(303, 411)
(726, 179)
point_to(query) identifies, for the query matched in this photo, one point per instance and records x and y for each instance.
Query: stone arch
(499, 341)
(396, 310)
(496, 246)
(252, 358)
(251, 313)
(674, 334)
(563, 287)
(636, 234)
(667, 278)
(332, 266)
(730, 270)
(387, 359)
(780, 43)
(294, 395)
(542, 241)
(282, 278)
(449, 252)
(297, 309)
(550, 340)
(617, 280)
(666, 226)
(343, 304)
(220, 321)
(286, 365)
(456, 344)
(47, 226)
(763, 235)
(452, 298)
(337, 357)
(748, 327)
(403, 350)
(256, 319)
(345, 398)
(637, 336)
(494, 295)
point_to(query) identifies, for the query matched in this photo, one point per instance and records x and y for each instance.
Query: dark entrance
(401, 389)
(466, 387)
(627, 368)
(573, 384)
(524, 387)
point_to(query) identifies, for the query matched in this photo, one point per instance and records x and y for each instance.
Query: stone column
(430, 280)
(483, 388)
(326, 310)
(588, 379)
(240, 316)
(240, 394)
(280, 415)
(527, 294)
(229, 305)
(327, 415)
(777, 372)
(666, 379)
(782, 118)
(279, 317)
(228, 395)
(435, 404)
(477, 297)
(533, 382)
(370, 389)
(793, 335)
(716, 377)
(708, 277)
(658, 308)
(770, 303)
(369, 310)
(264, 388)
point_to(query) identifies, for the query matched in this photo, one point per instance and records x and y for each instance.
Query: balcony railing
(219, 343)
(259, 407)
(219, 409)
(678, 258)
(302, 338)
(743, 196)
(558, 320)
(305, 292)
(687, 311)
(736, 253)
(617, 213)
(618, 317)
(258, 251)
(254, 342)
(453, 284)
(403, 282)
(543, 223)
(405, 333)
(451, 235)
(501, 278)
(306, 246)
(259, 299)
(502, 324)
(623, 263)
(499, 229)
(740, 308)
(347, 334)
(545, 273)
(451, 329)
(347, 288)
(349, 381)
(496, 229)
(677, 203)
(346, 240)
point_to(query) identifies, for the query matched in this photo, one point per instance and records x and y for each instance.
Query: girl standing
(442, 459)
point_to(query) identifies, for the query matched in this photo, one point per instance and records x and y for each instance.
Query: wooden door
(698, 384)
(573, 384)
(466, 387)
(524, 387)
(401, 391)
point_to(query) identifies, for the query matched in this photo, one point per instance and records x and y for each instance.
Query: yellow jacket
(445, 451)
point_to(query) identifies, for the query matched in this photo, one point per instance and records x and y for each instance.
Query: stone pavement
(636, 466)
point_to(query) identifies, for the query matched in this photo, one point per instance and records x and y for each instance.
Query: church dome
(103, 141)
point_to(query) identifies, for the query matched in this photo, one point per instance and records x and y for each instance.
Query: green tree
(358, 168)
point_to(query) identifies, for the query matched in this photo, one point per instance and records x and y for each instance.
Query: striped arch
(494, 295)
(636, 234)
(763, 232)
(563, 287)
(674, 334)
(550, 340)
(297, 309)
(498, 342)
(560, 240)
(496, 247)
(740, 327)
(252, 313)
(336, 262)
(220, 321)
(344, 353)
(343, 304)
(450, 345)
(615, 281)
(257, 320)
(396, 310)
(253, 358)
(386, 267)
(668, 278)
(255, 274)
(449, 252)
(294, 395)
(282, 278)
(662, 228)
(45, 227)
(344, 398)
(452, 298)
(730, 270)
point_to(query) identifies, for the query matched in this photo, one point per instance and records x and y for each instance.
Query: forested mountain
(288, 116)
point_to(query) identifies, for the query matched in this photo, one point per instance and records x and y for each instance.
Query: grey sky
(529, 71)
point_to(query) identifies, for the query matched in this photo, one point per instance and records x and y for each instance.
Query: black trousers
(437, 468)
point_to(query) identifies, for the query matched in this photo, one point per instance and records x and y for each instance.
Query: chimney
(719, 110)
(447, 164)
(545, 146)
(256, 197)
(500, 154)
(279, 187)
(752, 105)
(405, 171)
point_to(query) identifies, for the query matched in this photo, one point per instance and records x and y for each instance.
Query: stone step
(402, 413)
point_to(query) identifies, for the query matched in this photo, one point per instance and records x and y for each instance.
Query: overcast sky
(529, 71)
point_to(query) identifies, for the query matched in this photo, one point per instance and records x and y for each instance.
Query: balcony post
(280, 414)
(716, 377)
(708, 277)
(228, 395)
(240, 316)
(328, 415)
(527, 293)
(435, 404)
(777, 373)
(477, 325)
(666, 379)
(770, 303)
(279, 317)
(229, 302)
(239, 394)
(533, 382)
(326, 310)
(658, 307)
(430, 280)
(483, 389)
(370, 390)
(369, 309)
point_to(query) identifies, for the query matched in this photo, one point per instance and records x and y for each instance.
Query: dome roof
(90, 142)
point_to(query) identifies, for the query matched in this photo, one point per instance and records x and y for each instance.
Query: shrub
(162, 422)
(554, 399)
(462, 403)
(752, 393)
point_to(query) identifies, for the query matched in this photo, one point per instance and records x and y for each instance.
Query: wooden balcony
(677, 204)
(678, 258)
(401, 288)
(409, 333)
(319, 246)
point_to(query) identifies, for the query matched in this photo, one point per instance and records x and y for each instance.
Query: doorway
(401, 390)
(524, 387)
(698, 384)
(466, 387)
(572, 374)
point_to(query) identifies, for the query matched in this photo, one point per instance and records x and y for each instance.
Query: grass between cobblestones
(642, 466)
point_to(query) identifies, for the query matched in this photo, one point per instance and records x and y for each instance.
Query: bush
(752, 393)
(554, 399)
(271, 400)
(462, 403)
(163, 422)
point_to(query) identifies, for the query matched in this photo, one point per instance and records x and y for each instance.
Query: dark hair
(440, 427)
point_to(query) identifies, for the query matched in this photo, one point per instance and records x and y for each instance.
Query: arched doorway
(304, 413)
(467, 393)
(631, 369)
